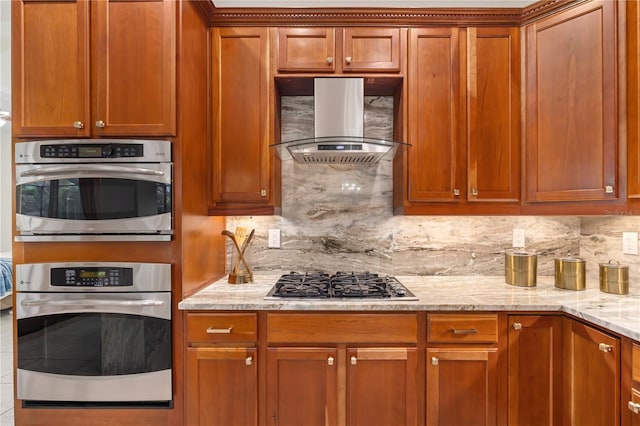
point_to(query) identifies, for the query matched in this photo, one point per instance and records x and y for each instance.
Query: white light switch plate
(518, 238)
(630, 243)
(274, 238)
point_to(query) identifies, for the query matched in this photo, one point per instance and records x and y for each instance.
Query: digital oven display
(90, 151)
(92, 277)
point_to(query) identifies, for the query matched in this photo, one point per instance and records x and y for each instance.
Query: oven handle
(79, 170)
(95, 302)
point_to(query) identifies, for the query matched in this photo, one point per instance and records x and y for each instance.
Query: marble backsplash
(339, 218)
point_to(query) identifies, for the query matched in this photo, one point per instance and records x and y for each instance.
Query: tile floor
(6, 368)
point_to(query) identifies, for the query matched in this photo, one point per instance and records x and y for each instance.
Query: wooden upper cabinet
(241, 163)
(434, 106)
(338, 50)
(493, 114)
(633, 100)
(102, 68)
(571, 107)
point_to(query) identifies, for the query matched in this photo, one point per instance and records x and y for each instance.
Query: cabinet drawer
(635, 363)
(342, 328)
(461, 328)
(221, 327)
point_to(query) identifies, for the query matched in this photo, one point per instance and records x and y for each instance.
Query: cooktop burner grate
(341, 285)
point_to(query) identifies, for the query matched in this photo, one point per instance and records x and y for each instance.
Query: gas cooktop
(341, 285)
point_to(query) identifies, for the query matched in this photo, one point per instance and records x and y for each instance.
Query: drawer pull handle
(212, 330)
(605, 348)
(464, 331)
(517, 326)
(434, 360)
(249, 360)
(634, 407)
(354, 360)
(330, 360)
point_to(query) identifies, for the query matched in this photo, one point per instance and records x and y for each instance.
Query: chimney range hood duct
(339, 128)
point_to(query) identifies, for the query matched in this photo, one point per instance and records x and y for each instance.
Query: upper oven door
(93, 198)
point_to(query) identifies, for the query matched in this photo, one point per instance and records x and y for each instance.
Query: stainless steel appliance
(79, 190)
(93, 333)
(341, 285)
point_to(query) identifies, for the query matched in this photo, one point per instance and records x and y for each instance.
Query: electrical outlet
(274, 238)
(518, 238)
(630, 243)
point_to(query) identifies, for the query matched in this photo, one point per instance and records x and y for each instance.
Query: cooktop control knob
(107, 151)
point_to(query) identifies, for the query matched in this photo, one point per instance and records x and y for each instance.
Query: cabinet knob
(330, 360)
(263, 192)
(605, 348)
(456, 192)
(517, 326)
(249, 360)
(434, 360)
(474, 192)
(78, 124)
(348, 60)
(354, 360)
(101, 124)
(608, 189)
(329, 60)
(634, 407)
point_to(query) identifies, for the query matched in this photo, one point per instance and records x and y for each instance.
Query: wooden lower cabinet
(535, 370)
(336, 386)
(591, 376)
(462, 386)
(222, 386)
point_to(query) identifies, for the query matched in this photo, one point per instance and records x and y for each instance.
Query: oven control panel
(94, 276)
(94, 150)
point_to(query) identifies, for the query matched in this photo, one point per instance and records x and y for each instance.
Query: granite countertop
(618, 313)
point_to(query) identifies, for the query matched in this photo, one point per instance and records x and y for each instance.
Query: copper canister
(614, 278)
(570, 273)
(520, 268)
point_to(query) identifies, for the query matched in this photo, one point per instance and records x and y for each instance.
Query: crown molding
(217, 17)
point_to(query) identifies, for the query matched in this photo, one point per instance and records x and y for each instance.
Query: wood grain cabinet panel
(221, 386)
(339, 50)
(462, 328)
(87, 68)
(462, 386)
(571, 107)
(241, 161)
(591, 376)
(633, 100)
(227, 327)
(535, 370)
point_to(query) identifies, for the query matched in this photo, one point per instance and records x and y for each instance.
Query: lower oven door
(112, 347)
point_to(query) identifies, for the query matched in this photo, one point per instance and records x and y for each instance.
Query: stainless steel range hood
(339, 128)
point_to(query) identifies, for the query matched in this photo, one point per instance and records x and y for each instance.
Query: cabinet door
(222, 386)
(51, 68)
(462, 386)
(371, 50)
(434, 113)
(591, 376)
(134, 62)
(571, 109)
(241, 116)
(302, 386)
(382, 386)
(535, 370)
(493, 118)
(306, 49)
(633, 99)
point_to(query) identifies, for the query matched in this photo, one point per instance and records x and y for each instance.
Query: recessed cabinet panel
(371, 50)
(434, 102)
(572, 148)
(306, 49)
(240, 162)
(493, 114)
(51, 66)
